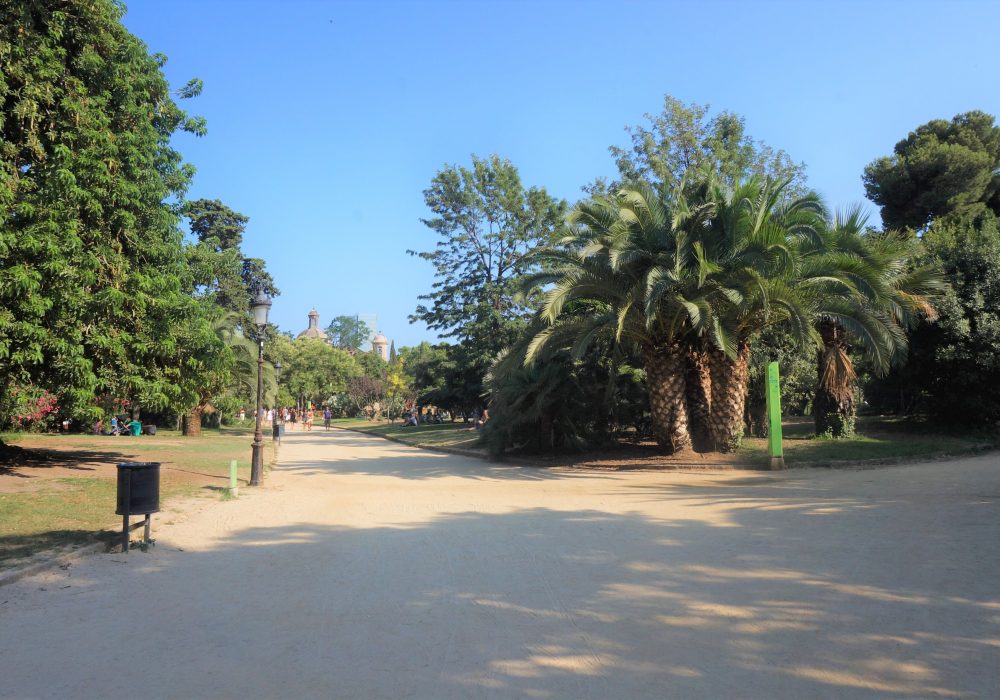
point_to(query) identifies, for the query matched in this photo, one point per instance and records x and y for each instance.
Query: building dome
(313, 331)
(380, 346)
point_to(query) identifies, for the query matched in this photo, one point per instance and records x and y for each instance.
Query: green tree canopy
(487, 223)
(314, 370)
(348, 332)
(90, 251)
(941, 168)
(684, 139)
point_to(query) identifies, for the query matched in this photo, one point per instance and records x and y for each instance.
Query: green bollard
(773, 392)
(234, 488)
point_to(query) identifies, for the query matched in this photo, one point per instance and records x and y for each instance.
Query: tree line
(651, 306)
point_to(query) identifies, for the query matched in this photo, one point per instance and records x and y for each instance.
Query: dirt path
(366, 569)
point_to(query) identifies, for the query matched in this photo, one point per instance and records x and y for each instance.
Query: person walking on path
(327, 415)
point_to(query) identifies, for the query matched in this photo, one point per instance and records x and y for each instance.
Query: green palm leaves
(696, 268)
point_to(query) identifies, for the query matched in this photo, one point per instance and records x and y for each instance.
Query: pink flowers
(32, 411)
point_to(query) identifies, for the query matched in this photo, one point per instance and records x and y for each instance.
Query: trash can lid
(137, 465)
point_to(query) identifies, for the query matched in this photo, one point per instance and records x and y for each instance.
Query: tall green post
(773, 392)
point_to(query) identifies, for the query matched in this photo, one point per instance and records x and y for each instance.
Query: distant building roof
(313, 331)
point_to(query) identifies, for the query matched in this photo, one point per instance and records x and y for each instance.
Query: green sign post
(773, 392)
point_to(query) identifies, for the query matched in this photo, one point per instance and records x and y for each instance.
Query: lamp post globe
(260, 305)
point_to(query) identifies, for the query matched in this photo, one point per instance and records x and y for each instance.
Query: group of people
(433, 416)
(118, 426)
(292, 417)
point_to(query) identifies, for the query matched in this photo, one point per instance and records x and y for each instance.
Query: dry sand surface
(367, 569)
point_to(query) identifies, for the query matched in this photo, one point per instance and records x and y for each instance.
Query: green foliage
(90, 253)
(487, 225)
(797, 369)
(683, 139)
(372, 365)
(348, 332)
(941, 168)
(313, 371)
(426, 368)
(954, 365)
(558, 402)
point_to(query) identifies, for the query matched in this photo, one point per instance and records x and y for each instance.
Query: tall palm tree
(752, 237)
(880, 294)
(637, 274)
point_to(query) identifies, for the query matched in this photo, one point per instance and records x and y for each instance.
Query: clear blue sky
(326, 120)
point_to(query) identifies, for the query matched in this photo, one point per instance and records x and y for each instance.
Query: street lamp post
(260, 305)
(276, 424)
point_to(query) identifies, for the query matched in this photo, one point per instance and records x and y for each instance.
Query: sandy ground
(367, 569)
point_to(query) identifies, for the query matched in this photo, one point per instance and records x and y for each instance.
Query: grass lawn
(60, 490)
(444, 435)
(880, 439)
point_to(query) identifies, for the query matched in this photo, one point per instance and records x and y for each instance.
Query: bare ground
(367, 569)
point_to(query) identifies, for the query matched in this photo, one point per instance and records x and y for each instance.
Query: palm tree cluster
(687, 278)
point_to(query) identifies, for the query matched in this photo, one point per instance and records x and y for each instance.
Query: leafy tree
(348, 332)
(487, 224)
(683, 139)
(426, 367)
(941, 168)
(315, 371)
(90, 252)
(372, 365)
(953, 363)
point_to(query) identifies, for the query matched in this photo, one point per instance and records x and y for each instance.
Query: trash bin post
(138, 494)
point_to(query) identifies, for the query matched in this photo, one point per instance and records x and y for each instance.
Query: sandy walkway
(365, 569)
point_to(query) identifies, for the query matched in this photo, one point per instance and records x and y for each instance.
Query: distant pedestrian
(327, 415)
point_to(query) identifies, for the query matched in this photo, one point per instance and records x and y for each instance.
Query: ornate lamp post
(260, 305)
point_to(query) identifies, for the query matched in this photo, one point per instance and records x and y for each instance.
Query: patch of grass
(70, 513)
(63, 510)
(443, 435)
(878, 439)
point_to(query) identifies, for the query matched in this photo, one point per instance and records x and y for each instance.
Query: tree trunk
(699, 399)
(729, 396)
(192, 421)
(667, 400)
(836, 383)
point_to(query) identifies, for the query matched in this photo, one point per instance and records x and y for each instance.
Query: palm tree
(879, 295)
(752, 237)
(636, 274)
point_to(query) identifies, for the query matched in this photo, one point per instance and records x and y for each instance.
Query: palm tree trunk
(192, 421)
(833, 407)
(667, 400)
(699, 399)
(729, 395)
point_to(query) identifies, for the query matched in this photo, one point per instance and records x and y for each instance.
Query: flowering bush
(34, 409)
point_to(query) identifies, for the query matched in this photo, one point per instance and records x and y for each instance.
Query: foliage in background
(348, 332)
(954, 365)
(487, 224)
(683, 139)
(313, 371)
(942, 168)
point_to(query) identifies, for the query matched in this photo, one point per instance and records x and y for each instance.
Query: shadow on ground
(742, 588)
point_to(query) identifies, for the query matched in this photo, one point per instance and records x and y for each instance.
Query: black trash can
(149, 430)
(138, 488)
